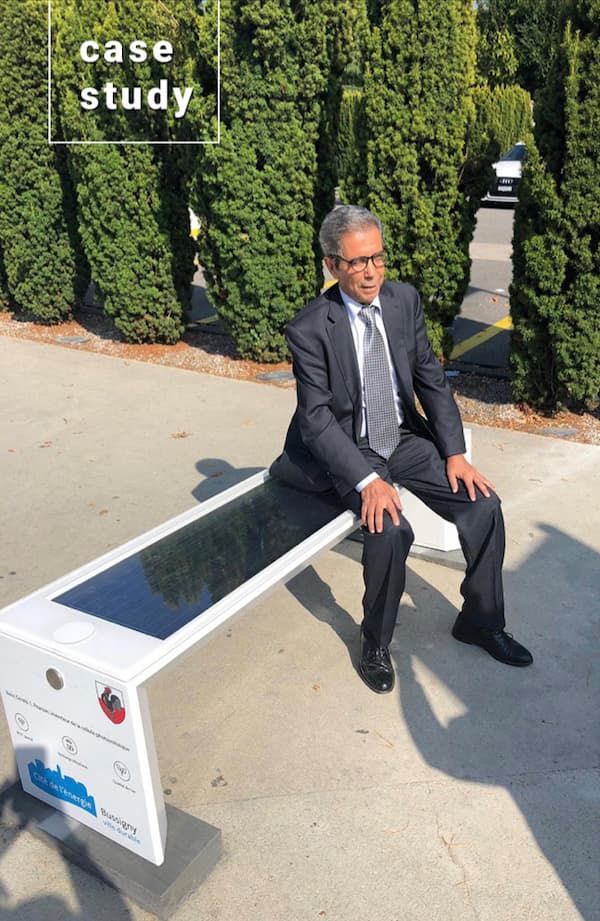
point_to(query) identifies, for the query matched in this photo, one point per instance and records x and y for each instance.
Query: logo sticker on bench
(111, 702)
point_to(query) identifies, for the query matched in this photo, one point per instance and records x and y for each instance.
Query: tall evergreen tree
(4, 293)
(538, 275)
(352, 147)
(418, 101)
(260, 193)
(345, 28)
(556, 284)
(519, 40)
(132, 198)
(41, 252)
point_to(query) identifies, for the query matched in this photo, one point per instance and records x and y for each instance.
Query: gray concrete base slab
(193, 849)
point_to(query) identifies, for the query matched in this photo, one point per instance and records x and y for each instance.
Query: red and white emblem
(111, 702)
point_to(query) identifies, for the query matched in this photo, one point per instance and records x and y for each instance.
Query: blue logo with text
(64, 788)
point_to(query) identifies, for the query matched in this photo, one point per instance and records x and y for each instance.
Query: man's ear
(331, 266)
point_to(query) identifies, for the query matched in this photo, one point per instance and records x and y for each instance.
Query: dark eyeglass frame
(360, 263)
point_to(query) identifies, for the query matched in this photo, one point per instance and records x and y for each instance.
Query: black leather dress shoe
(499, 644)
(375, 667)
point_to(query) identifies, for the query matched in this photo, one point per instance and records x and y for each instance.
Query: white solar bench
(76, 655)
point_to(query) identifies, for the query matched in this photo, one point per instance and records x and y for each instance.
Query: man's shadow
(533, 731)
(218, 475)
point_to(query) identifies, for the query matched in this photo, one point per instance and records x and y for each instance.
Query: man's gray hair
(344, 219)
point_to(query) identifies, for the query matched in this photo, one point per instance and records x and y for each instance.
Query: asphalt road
(482, 330)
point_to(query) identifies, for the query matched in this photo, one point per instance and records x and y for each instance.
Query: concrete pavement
(471, 792)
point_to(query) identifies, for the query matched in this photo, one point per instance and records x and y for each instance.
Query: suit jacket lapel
(393, 320)
(340, 335)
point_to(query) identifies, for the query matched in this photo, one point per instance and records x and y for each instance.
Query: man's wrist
(365, 481)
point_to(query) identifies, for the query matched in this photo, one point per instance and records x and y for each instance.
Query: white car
(508, 175)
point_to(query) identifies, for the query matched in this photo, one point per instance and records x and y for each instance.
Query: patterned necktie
(382, 421)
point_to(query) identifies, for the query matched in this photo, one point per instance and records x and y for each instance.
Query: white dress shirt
(358, 328)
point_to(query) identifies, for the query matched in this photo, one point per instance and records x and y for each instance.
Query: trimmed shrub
(352, 147)
(41, 252)
(418, 102)
(519, 40)
(4, 293)
(539, 266)
(555, 293)
(345, 23)
(260, 194)
(132, 199)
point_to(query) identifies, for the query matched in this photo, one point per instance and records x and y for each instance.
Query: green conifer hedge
(41, 252)
(418, 102)
(132, 199)
(4, 293)
(556, 283)
(352, 147)
(518, 40)
(260, 193)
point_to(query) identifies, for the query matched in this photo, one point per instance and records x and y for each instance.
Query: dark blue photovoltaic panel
(160, 589)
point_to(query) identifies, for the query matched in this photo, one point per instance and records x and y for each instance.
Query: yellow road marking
(473, 341)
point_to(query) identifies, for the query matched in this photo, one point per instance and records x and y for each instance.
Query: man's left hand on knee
(459, 468)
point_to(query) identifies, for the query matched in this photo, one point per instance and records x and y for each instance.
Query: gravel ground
(482, 400)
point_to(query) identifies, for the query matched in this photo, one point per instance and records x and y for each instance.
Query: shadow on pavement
(472, 289)
(499, 205)
(219, 475)
(521, 728)
(95, 898)
(534, 731)
(491, 352)
(316, 596)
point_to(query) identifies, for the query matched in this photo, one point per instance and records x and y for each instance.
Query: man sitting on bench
(360, 354)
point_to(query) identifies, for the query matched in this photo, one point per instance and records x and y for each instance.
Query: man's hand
(459, 468)
(379, 497)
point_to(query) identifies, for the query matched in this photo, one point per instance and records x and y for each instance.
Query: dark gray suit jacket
(321, 449)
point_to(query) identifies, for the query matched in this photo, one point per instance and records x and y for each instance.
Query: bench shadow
(316, 596)
(95, 898)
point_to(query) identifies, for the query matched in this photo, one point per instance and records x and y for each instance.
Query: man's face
(365, 285)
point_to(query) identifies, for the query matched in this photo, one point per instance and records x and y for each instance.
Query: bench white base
(431, 531)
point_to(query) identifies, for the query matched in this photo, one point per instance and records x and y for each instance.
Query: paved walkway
(469, 793)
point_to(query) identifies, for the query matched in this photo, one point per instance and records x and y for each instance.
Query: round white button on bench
(73, 632)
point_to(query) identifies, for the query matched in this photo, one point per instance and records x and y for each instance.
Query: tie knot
(367, 313)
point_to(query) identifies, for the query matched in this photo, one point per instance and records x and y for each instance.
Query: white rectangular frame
(155, 143)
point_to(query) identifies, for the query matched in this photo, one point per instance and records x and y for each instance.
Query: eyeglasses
(359, 263)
